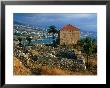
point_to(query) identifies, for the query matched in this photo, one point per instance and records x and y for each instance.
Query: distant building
(69, 35)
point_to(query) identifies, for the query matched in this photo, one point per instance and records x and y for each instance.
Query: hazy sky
(86, 21)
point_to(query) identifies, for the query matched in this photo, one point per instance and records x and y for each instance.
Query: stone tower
(69, 35)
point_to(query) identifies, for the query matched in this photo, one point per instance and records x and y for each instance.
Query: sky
(84, 21)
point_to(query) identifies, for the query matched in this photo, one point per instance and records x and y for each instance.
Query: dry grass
(53, 71)
(19, 69)
(57, 71)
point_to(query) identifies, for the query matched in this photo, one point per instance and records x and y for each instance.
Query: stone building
(69, 35)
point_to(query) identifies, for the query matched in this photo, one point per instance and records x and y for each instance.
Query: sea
(39, 41)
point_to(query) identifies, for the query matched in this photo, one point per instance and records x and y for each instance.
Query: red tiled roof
(69, 27)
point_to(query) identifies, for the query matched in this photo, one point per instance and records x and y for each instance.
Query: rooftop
(69, 27)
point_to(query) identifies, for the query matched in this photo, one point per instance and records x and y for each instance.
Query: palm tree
(52, 29)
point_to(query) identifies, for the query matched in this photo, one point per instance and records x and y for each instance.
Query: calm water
(40, 41)
(43, 41)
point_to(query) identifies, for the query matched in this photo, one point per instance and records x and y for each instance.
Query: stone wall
(69, 37)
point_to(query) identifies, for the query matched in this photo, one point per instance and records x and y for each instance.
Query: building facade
(69, 35)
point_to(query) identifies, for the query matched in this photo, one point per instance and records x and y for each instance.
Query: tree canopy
(52, 29)
(88, 46)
